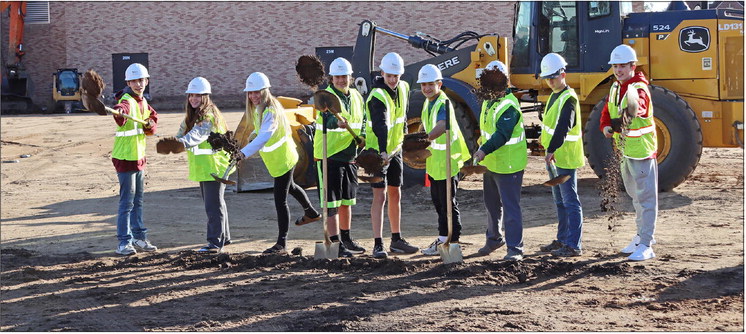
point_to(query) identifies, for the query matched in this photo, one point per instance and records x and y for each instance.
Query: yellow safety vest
(396, 121)
(203, 160)
(641, 141)
(278, 153)
(512, 156)
(570, 154)
(339, 139)
(435, 165)
(129, 140)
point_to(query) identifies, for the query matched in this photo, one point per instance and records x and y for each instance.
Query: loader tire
(415, 174)
(679, 139)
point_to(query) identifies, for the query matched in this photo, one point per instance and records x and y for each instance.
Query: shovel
(97, 106)
(325, 249)
(224, 179)
(555, 179)
(449, 252)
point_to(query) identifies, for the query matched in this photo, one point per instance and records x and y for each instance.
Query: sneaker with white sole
(632, 246)
(276, 249)
(513, 255)
(433, 248)
(145, 245)
(379, 252)
(210, 248)
(353, 246)
(402, 246)
(126, 250)
(642, 253)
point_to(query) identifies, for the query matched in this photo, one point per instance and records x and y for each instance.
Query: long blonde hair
(267, 100)
(194, 116)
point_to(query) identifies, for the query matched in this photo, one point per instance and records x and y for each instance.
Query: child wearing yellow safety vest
(504, 153)
(202, 117)
(128, 157)
(341, 151)
(629, 98)
(275, 145)
(434, 120)
(561, 137)
(386, 111)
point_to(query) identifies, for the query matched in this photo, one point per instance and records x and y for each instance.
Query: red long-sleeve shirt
(643, 100)
(129, 165)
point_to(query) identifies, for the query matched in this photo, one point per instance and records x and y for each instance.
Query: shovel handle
(359, 140)
(449, 205)
(115, 112)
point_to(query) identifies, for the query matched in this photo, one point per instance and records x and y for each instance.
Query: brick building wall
(226, 41)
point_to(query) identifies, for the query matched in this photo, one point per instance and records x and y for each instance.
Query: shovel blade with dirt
(450, 253)
(554, 177)
(224, 179)
(92, 85)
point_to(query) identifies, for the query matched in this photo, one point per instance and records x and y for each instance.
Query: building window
(37, 12)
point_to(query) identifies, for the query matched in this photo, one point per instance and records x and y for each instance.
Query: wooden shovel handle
(115, 112)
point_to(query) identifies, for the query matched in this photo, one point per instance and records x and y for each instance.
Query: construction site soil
(60, 272)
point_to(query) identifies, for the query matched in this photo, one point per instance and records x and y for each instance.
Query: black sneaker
(353, 247)
(556, 244)
(567, 251)
(379, 253)
(276, 249)
(343, 252)
(402, 246)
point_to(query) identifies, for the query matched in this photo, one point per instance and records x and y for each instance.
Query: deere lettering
(448, 63)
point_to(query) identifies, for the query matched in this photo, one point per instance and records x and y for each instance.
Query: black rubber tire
(672, 113)
(416, 176)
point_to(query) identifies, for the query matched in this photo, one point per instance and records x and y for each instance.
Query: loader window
(521, 35)
(562, 26)
(598, 9)
(67, 83)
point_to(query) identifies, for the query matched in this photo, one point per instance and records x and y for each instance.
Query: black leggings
(283, 185)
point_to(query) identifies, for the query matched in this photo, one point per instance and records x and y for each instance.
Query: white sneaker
(433, 248)
(126, 250)
(642, 253)
(145, 245)
(632, 246)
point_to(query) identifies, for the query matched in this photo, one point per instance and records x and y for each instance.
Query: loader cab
(66, 90)
(584, 33)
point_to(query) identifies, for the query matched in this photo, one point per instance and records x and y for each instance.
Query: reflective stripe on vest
(570, 154)
(641, 141)
(129, 133)
(201, 151)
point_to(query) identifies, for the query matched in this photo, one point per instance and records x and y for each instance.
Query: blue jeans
(502, 197)
(129, 219)
(569, 210)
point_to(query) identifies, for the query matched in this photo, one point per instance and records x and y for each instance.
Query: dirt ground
(60, 272)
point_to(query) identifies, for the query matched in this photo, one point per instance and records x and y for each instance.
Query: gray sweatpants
(641, 181)
(218, 230)
(502, 197)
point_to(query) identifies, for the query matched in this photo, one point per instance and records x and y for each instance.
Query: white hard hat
(199, 85)
(392, 63)
(340, 66)
(497, 65)
(551, 65)
(256, 81)
(429, 73)
(135, 71)
(622, 54)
